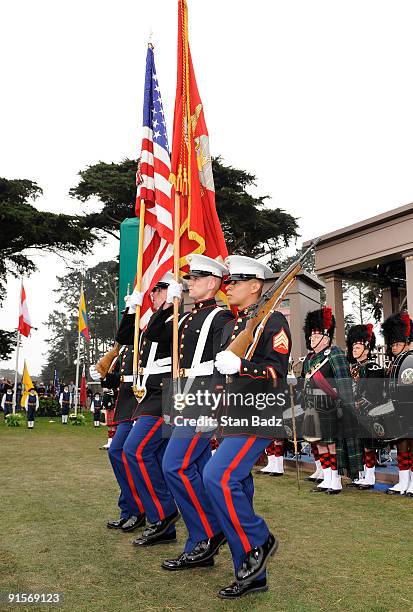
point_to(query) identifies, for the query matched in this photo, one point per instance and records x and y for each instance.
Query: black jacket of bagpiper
(323, 410)
(368, 385)
(107, 401)
(268, 367)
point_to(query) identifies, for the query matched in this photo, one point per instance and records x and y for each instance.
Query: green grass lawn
(352, 551)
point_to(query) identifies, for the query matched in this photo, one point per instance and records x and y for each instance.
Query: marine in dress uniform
(397, 330)
(7, 401)
(31, 405)
(65, 401)
(368, 389)
(132, 513)
(146, 443)
(188, 451)
(96, 408)
(227, 476)
(328, 403)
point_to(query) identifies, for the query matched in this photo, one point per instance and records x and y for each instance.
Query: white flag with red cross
(25, 325)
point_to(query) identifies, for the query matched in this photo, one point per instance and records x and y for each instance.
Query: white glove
(227, 362)
(174, 291)
(134, 300)
(291, 380)
(92, 409)
(94, 374)
(205, 427)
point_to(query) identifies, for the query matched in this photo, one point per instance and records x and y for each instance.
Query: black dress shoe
(116, 524)
(276, 473)
(206, 549)
(153, 530)
(333, 491)
(366, 487)
(256, 560)
(134, 522)
(239, 589)
(182, 563)
(390, 492)
(318, 490)
(163, 538)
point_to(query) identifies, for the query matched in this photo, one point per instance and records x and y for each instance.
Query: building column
(334, 298)
(408, 260)
(387, 302)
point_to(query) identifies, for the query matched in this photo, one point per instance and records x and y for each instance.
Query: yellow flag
(27, 384)
(83, 324)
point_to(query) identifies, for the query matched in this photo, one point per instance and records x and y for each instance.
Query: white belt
(318, 391)
(205, 368)
(153, 369)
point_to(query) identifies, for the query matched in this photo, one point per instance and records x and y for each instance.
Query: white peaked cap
(240, 265)
(202, 263)
(167, 278)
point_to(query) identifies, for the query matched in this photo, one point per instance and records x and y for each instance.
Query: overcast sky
(315, 98)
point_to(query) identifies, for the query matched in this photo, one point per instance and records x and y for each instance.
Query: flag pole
(78, 356)
(17, 354)
(182, 186)
(177, 219)
(139, 266)
(15, 373)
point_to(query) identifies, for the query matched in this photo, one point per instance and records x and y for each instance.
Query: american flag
(154, 188)
(56, 384)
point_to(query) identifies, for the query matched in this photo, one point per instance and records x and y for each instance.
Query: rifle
(246, 342)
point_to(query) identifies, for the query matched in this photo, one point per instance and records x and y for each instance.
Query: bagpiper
(328, 403)
(368, 389)
(397, 330)
(227, 476)
(108, 410)
(187, 452)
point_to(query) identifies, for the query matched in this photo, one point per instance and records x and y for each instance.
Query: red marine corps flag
(191, 164)
(195, 221)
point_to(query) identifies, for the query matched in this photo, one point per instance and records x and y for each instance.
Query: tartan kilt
(320, 418)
